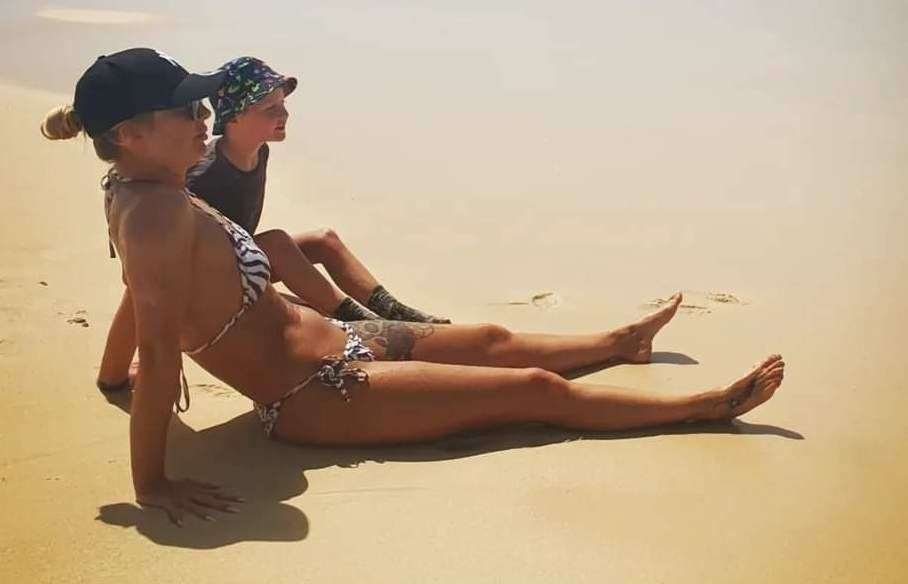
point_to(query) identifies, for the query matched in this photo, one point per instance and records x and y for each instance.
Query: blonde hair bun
(61, 123)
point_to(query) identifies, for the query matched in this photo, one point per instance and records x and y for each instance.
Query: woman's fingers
(173, 510)
(212, 503)
(190, 496)
(203, 484)
(228, 497)
(216, 491)
(197, 509)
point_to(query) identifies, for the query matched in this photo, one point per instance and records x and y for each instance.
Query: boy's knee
(329, 240)
(273, 239)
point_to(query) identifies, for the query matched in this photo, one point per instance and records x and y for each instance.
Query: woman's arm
(115, 371)
(155, 246)
(156, 238)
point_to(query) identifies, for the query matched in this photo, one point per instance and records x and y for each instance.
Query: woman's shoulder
(146, 206)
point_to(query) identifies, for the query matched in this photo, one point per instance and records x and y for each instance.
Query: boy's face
(265, 121)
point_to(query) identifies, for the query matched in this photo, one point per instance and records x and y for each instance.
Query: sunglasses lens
(194, 109)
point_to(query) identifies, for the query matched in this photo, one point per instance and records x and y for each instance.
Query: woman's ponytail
(61, 123)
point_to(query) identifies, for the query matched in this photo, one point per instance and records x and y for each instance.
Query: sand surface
(550, 170)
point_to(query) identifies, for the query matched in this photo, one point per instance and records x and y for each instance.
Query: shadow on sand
(657, 357)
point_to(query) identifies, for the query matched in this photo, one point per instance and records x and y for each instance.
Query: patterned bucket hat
(247, 81)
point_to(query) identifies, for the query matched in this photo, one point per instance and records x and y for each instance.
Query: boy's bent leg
(325, 247)
(291, 266)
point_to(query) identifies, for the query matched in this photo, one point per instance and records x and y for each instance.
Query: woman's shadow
(267, 473)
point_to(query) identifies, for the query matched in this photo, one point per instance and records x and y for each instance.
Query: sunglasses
(195, 110)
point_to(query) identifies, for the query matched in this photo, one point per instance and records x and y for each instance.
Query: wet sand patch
(90, 16)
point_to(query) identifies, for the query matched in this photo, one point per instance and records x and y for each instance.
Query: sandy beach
(549, 170)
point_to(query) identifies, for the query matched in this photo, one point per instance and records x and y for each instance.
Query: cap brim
(197, 86)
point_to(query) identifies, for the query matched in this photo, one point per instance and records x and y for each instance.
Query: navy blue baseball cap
(120, 86)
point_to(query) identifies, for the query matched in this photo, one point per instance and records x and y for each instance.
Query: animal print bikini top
(251, 262)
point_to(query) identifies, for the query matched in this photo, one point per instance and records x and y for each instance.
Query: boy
(249, 113)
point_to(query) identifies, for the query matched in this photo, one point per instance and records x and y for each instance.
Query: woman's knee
(548, 395)
(547, 385)
(494, 334)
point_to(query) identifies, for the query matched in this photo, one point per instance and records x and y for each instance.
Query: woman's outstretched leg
(495, 346)
(415, 401)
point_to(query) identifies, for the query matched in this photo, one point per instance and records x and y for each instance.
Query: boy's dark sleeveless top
(237, 194)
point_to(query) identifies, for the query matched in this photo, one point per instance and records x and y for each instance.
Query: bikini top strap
(107, 186)
(185, 387)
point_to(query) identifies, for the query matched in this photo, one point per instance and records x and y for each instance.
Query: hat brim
(289, 85)
(197, 86)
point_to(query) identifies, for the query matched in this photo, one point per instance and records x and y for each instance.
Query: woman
(199, 284)
(249, 113)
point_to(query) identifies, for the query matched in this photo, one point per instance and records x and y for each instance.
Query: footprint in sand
(723, 298)
(696, 302)
(215, 390)
(542, 301)
(79, 318)
(685, 308)
(546, 300)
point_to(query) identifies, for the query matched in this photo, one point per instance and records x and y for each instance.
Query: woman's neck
(243, 154)
(140, 171)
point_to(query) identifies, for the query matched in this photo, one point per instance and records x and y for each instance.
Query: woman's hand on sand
(127, 384)
(179, 497)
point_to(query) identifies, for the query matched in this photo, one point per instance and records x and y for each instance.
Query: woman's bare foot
(634, 343)
(746, 393)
